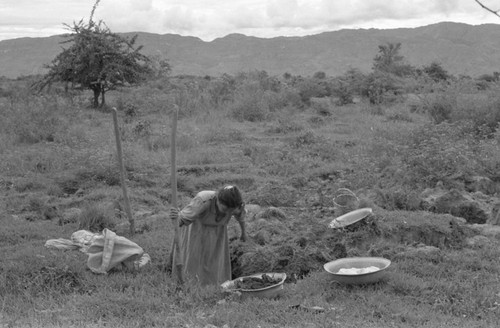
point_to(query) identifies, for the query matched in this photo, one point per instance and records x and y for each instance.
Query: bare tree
(495, 12)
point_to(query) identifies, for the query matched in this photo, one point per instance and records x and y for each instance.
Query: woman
(203, 240)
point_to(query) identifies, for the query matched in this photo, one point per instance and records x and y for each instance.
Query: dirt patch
(302, 244)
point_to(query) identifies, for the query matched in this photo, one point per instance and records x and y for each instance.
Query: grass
(285, 156)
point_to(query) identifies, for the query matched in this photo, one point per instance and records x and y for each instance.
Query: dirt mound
(299, 243)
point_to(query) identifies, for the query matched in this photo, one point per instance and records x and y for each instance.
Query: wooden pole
(173, 183)
(122, 173)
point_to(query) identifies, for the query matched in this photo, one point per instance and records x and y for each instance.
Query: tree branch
(494, 12)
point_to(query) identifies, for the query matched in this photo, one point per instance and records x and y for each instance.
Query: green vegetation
(289, 142)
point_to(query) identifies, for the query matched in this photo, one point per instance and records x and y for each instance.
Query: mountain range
(461, 49)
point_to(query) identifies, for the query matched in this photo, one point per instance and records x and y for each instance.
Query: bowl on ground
(271, 291)
(358, 270)
(350, 218)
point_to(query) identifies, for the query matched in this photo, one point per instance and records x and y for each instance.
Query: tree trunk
(103, 99)
(97, 92)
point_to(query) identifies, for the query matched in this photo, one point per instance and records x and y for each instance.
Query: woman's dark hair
(230, 196)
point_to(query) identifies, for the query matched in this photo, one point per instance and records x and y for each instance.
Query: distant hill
(460, 48)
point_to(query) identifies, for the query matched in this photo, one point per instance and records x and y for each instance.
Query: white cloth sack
(105, 251)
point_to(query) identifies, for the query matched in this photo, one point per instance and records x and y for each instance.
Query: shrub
(308, 88)
(440, 110)
(436, 72)
(143, 128)
(343, 91)
(249, 103)
(321, 106)
(436, 152)
(380, 87)
(282, 99)
(34, 124)
(484, 114)
(460, 102)
(222, 89)
(130, 111)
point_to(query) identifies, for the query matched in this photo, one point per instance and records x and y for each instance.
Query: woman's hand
(174, 213)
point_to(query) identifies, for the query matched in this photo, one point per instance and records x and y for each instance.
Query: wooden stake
(173, 183)
(122, 173)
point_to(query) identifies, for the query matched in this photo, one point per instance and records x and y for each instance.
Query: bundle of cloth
(105, 250)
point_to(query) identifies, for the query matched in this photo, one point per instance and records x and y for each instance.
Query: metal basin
(267, 292)
(333, 268)
(350, 218)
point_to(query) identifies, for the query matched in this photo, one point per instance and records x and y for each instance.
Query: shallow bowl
(350, 218)
(333, 268)
(267, 292)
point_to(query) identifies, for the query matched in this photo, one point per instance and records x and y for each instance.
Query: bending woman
(203, 239)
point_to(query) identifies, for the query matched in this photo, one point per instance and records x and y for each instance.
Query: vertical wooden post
(173, 183)
(122, 173)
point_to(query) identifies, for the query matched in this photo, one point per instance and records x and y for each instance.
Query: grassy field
(58, 157)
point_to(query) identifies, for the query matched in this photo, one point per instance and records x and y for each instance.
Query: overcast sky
(210, 19)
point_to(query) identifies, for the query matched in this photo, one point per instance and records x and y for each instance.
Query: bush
(460, 102)
(249, 103)
(437, 152)
(483, 113)
(381, 87)
(34, 124)
(321, 106)
(282, 99)
(343, 91)
(308, 88)
(440, 110)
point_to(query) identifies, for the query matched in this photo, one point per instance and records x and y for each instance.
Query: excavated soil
(299, 243)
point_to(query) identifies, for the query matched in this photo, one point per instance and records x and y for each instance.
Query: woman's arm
(189, 213)
(240, 217)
